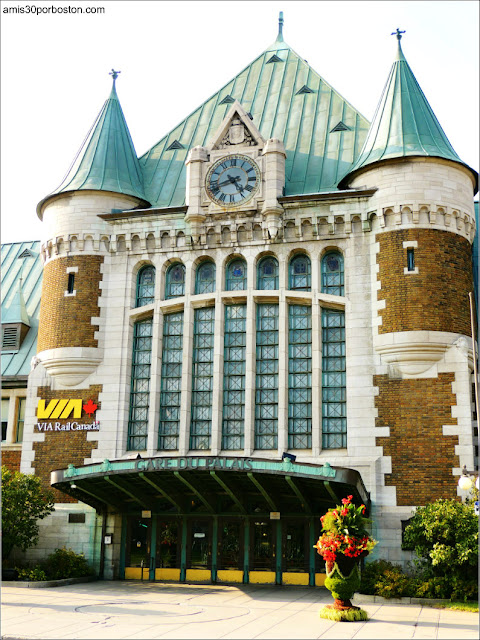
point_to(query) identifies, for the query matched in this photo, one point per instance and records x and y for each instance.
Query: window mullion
(316, 380)
(282, 425)
(217, 379)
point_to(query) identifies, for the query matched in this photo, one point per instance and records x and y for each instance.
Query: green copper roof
(316, 157)
(107, 160)
(404, 123)
(21, 261)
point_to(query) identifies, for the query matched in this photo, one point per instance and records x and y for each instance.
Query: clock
(232, 180)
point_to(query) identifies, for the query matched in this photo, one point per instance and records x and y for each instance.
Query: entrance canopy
(211, 485)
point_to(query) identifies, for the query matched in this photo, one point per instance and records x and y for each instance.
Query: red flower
(344, 512)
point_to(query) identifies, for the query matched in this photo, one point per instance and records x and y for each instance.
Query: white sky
(174, 55)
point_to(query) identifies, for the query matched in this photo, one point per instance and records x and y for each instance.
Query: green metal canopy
(404, 124)
(288, 100)
(218, 485)
(107, 160)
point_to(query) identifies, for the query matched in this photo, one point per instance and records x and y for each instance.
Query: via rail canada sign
(62, 409)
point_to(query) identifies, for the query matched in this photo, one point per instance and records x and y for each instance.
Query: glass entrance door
(262, 545)
(137, 557)
(230, 544)
(168, 548)
(199, 548)
(296, 552)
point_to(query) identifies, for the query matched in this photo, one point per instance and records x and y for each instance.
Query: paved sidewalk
(158, 610)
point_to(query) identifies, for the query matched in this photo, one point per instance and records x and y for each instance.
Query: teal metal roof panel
(107, 160)
(316, 156)
(30, 270)
(404, 124)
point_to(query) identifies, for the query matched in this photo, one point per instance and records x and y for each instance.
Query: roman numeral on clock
(222, 197)
(248, 187)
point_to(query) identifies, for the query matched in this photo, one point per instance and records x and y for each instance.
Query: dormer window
(13, 335)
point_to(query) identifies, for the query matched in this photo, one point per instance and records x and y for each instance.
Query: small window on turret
(410, 260)
(71, 283)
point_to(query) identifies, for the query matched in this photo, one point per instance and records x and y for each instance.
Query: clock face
(232, 180)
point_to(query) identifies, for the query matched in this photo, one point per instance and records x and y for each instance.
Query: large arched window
(267, 273)
(299, 273)
(205, 278)
(332, 273)
(236, 277)
(175, 281)
(145, 286)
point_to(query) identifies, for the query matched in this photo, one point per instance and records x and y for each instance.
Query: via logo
(59, 409)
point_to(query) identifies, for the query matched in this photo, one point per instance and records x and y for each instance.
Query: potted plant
(343, 542)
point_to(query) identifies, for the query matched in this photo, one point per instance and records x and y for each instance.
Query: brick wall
(11, 459)
(435, 299)
(422, 457)
(65, 321)
(61, 448)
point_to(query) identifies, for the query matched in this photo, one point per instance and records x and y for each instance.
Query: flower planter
(343, 543)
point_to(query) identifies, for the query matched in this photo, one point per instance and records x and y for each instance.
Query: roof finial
(114, 74)
(280, 27)
(398, 33)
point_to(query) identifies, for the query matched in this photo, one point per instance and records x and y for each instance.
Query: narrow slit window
(71, 283)
(410, 259)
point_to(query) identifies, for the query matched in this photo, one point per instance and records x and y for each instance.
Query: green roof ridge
(404, 124)
(107, 160)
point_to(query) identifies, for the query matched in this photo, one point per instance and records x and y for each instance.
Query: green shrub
(434, 587)
(444, 536)
(395, 584)
(65, 563)
(464, 590)
(24, 502)
(382, 578)
(32, 574)
(373, 572)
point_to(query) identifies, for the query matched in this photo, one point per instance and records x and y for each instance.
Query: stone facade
(408, 350)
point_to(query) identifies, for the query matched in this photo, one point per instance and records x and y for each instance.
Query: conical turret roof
(404, 124)
(107, 160)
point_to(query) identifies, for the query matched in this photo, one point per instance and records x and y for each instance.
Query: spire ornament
(114, 74)
(398, 33)
(280, 27)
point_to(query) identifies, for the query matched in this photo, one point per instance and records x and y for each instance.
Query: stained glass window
(267, 274)
(266, 379)
(140, 386)
(145, 286)
(171, 381)
(300, 273)
(236, 279)
(175, 281)
(234, 377)
(334, 400)
(332, 273)
(202, 378)
(205, 278)
(299, 377)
